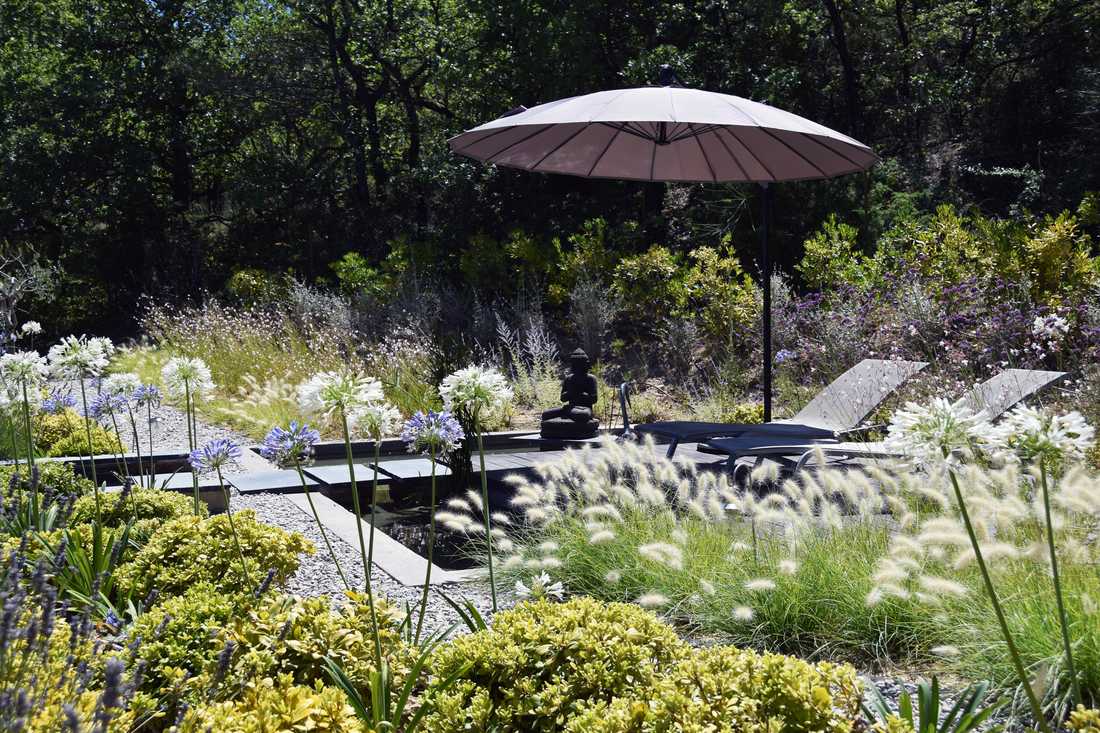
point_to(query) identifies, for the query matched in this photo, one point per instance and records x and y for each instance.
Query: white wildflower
(1038, 434)
(328, 393)
(540, 588)
(75, 357)
(24, 368)
(481, 391)
(375, 420)
(931, 434)
(31, 328)
(184, 375)
(123, 383)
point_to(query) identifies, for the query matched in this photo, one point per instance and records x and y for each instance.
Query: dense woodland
(157, 146)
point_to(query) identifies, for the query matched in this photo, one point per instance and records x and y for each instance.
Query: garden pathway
(317, 575)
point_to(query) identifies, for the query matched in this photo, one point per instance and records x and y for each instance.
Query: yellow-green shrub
(104, 442)
(59, 478)
(191, 550)
(276, 705)
(181, 637)
(542, 663)
(726, 689)
(139, 504)
(289, 636)
(1083, 720)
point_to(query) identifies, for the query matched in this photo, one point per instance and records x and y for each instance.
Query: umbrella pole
(766, 275)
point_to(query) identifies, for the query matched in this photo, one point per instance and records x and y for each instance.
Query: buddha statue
(573, 420)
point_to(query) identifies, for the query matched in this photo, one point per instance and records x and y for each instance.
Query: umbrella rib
(652, 160)
(749, 151)
(788, 146)
(603, 152)
(736, 162)
(556, 148)
(494, 133)
(523, 139)
(706, 159)
(831, 149)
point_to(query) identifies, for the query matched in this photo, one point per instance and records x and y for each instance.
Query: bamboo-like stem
(431, 547)
(1062, 616)
(91, 452)
(233, 527)
(321, 527)
(1013, 652)
(485, 511)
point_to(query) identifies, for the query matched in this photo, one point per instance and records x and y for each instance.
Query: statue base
(565, 429)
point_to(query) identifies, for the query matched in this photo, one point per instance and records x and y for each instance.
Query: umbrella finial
(666, 77)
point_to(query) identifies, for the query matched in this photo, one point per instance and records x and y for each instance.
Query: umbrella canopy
(671, 133)
(664, 134)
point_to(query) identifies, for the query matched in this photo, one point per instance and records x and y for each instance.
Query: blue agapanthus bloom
(784, 355)
(290, 446)
(436, 433)
(57, 402)
(146, 394)
(215, 455)
(105, 405)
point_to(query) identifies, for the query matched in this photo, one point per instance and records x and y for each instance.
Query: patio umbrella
(671, 133)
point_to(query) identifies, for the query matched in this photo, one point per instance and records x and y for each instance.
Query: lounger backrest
(998, 394)
(854, 395)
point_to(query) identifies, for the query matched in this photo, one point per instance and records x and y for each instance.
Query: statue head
(579, 362)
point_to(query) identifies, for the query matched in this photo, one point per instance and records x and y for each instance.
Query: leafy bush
(149, 508)
(180, 638)
(276, 704)
(65, 434)
(290, 637)
(191, 550)
(541, 663)
(252, 286)
(57, 477)
(728, 689)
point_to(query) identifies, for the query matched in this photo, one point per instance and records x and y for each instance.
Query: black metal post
(766, 285)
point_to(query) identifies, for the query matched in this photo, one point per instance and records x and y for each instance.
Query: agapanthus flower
(123, 383)
(31, 328)
(146, 394)
(541, 587)
(1036, 434)
(24, 368)
(327, 393)
(290, 446)
(376, 420)
(76, 357)
(1051, 327)
(214, 456)
(105, 404)
(933, 433)
(478, 390)
(437, 433)
(57, 402)
(184, 375)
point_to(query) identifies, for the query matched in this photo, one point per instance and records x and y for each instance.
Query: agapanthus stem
(370, 550)
(355, 499)
(152, 461)
(120, 461)
(485, 512)
(189, 409)
(27, 423)
(14, 443)
(1062, 616)
(91, 450)
(431, 547)
(1013, 652)
(137, 440)
(233, 528)
(320, 526)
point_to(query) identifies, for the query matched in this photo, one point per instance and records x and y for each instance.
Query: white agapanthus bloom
(937, 431)
(327, 393)
(376, 420)
(1051, 327)
(123, 383)
(1036, 434)
(21, 368)
(76, 357)
(184, 375)
(31, 328)
(540, 587)
(481, 391)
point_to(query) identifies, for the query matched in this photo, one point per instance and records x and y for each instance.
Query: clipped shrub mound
(65, 434)
(276, 705)
(56, 478)
(149, 508)
(190, 550)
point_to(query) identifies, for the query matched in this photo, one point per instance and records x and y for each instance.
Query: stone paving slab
(278, 482)
(338, 475)
(412, 468)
